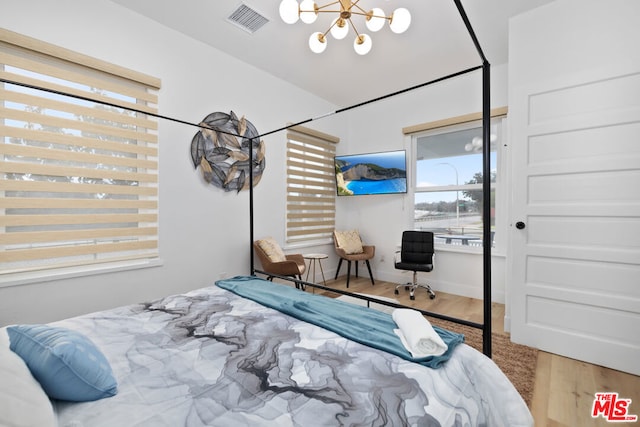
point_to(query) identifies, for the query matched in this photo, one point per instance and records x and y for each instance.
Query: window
(448, 194)
(78, 178)
(311, 185)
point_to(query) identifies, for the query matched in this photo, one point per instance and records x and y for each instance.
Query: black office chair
(416, 254)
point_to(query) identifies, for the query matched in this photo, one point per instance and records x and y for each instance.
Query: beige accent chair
(348, 245)
(275, 261)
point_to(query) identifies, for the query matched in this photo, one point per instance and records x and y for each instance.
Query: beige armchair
(274, 260)
(348, 245)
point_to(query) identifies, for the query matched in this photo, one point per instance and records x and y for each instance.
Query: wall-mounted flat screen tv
(371, 173)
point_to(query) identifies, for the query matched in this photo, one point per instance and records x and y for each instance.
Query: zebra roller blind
(311, 186)
(78, 175)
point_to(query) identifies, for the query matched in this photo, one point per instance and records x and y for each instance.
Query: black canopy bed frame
(486, 191)
(486, 117)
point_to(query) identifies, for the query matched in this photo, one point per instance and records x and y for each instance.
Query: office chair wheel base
(412, 297)
(397, 292)
(432, 296)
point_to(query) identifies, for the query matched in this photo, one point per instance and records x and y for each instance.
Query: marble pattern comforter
(212, 358)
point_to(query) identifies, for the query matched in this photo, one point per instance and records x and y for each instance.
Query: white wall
(203, 230)
(563, 48)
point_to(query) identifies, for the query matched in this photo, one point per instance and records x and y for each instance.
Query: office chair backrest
(417, 247)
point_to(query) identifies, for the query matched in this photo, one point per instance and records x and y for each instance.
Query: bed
(212, 357)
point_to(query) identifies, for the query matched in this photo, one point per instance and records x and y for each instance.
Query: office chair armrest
(397, 258)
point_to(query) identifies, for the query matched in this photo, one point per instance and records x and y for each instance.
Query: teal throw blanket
(366, 326)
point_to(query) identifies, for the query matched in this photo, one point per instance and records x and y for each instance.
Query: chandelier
(307, 11)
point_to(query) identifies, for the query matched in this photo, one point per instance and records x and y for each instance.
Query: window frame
(454, 124)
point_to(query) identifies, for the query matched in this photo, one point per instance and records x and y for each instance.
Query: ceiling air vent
(247, 18)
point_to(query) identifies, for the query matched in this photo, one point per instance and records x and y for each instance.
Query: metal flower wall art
(221, 149)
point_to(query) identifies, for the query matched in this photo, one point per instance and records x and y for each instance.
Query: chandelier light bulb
(289, 11)
(375, 19)
(317, 42)
(308, 13)
(339, 28)
(362, 44)
(400, 20)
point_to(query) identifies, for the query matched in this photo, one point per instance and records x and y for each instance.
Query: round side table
(313, 260)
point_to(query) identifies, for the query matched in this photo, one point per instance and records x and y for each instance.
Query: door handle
(520, 225)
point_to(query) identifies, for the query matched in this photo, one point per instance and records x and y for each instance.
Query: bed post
(251, 239)
(486, 205)
(486, 183)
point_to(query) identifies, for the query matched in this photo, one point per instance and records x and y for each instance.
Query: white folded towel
(417, 334)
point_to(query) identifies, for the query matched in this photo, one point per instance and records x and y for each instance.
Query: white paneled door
(575, 221)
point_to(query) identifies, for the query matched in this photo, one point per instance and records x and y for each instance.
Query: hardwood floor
(564, 388)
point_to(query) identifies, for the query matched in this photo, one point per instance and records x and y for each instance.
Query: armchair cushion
(349, 241)
(271, 248)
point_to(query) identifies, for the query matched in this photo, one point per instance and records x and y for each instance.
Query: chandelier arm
(329, 29)
(319, 8)
(366, 14)
(355, 12)
(370, 15)
(322, 11)
(355, 5)
(354, 27)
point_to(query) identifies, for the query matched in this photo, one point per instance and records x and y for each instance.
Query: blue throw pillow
(67, 364)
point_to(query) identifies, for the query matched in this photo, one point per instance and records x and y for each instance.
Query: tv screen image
(371, 173)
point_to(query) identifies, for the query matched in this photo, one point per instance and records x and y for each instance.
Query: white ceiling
(435, 45)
